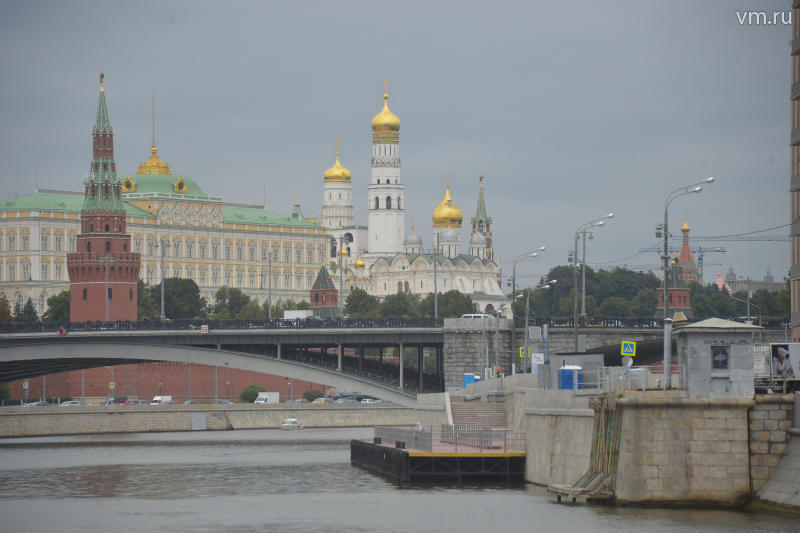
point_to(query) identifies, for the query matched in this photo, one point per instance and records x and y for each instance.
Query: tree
(181, 298)
(146, 308)
(5, 392)
(404, 304)
(451, 304)
(303, 306)
(27, 315)
(252, 311)
(359, 304)
(250, 393)
(57, 308)
(5, 311)
(228, 301)
(312, 394)
(615, 306)
(644, 303)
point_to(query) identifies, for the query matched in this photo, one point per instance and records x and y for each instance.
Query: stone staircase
(479, 414)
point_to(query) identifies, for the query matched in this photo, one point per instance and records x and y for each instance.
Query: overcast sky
(569, 109)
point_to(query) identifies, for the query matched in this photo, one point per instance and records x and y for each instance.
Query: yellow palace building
(173, 223)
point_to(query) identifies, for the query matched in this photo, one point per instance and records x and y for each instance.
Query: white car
(291, 423)
(71, 402)
(370, 400)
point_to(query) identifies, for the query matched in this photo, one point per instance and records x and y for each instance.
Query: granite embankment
(78, 420)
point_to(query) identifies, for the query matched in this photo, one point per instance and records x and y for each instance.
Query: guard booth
(715, 358)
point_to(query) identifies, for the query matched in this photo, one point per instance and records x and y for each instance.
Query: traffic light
(497, 372)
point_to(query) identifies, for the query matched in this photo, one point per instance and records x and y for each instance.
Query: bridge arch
(41, 358)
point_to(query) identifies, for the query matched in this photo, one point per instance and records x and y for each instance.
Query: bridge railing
(197, 324)
(592, 322)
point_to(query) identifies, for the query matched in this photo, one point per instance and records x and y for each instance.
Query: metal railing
(628, 378)
(197, 324)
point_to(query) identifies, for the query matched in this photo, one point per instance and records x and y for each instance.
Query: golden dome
(337, 172)
(447, 213)
(359, 263)
(343, 253)
(685, 226)
(385, 121)
(154, 165)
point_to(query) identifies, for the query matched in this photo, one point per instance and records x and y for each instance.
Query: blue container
(467, 379)
(566, 375)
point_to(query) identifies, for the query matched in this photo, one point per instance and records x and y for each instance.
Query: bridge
(392, 359)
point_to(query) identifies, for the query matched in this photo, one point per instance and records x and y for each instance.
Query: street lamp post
(343, 239)
(534, 253)
(106, 260)
(582, 229)
(680, 191)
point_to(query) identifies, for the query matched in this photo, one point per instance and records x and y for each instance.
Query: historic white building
(381, 258)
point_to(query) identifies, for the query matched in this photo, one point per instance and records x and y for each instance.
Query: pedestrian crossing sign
(523, 351)
(628, 348)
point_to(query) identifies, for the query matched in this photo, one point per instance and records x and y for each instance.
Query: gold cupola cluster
(154, 165)
(337, 172)
(385, 125)
(447, 214)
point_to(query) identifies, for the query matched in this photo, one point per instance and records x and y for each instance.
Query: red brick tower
(103, 271)
(324, 296)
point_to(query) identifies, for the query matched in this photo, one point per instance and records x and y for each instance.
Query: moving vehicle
(35, 404)
(291, 423)
(267, 397)
(162, 400)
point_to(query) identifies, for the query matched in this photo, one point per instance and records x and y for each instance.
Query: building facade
(179, 231)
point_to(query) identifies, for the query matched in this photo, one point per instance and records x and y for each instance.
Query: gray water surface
(271, 480)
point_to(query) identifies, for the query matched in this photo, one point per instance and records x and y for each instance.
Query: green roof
(254, 215)
(58, 201)
(323, 281)
(163, 184)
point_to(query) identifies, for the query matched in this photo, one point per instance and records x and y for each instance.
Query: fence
(451, 438)
(621, 378)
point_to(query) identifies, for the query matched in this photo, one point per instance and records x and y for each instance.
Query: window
(40, 306)
(130, 294)
(84, 293)
(25, 240)
(239, 252)
(215, 251)
(287, 281)
(20, 301)
(176, 272)
(398, 203)
(227, 251)
(310, 255)
(137, 245)
(298, 282)
(228, 278)
(214, 277)
(12, 242)
(239, 279)
(91, 228)
(26, 270)
(189, 248)
(107, 228)
(59, 242)
(176, 248)
(108, 246)
(150, 275)
(252, 279)
(388, 202)
(58, 271)
(202, 279)
(151, 247)
(377, 203)
(189, 273)
(44, 241)
(298, 255)
(251, 252)
(110, 293)
(201, 252)
(45, 271)
(287, 255)
(89, 246)
(73, 243)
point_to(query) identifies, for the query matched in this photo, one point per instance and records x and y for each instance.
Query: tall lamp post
(663, 231)
(527, 307)
(345, 238)
(534, 253)
(582, 229)
(268, 253)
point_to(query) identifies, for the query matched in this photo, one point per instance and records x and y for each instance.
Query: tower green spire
(102, 186)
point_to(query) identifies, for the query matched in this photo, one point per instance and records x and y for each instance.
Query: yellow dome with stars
(447, 213)
(385, 121)
(337, 172)
(154, 165)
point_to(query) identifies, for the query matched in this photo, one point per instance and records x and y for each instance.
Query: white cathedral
(387, 260)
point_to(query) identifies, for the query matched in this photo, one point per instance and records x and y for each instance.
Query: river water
(272, 480)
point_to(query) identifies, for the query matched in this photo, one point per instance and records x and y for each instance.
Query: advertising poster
(784, 360)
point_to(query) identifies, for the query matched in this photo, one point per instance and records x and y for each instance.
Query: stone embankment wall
(681, 450)
(464, 342)
(42, 421)
(770, 420)
(782, 490)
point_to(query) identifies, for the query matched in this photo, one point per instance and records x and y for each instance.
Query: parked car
(191, 402)
(371, 400)
(71, 402)
(35, 404)
(223, 401)
(118, 400)
(291, 423)
(141, 402)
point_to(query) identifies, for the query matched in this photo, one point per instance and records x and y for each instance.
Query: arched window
(388, 202)
(398, 203)
(399, 286)
(89, 246)
(377, 203)
(406, 286)
(106, 228)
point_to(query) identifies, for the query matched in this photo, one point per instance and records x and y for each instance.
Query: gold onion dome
(337, 172)
(447, 213)
(385, 120)
(154, 165)
(359, 263)
(685, 226)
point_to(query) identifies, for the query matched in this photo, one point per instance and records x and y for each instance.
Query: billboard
(784, 360)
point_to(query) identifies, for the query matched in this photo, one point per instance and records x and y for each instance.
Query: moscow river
(269, 480)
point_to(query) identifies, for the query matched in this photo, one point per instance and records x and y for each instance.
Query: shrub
(312, 394)
(250, 393)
